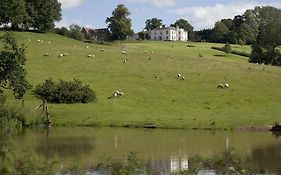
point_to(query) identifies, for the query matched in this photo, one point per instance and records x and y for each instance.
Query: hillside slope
(253, 98)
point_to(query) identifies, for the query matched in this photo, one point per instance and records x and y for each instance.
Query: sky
(200, 14)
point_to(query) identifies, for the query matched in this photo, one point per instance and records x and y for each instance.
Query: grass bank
(253, 97)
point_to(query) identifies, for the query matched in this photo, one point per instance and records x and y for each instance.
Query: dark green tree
(12, 12)
(12, 73)
(219, 32)
(43, 14)
(119, 23)
(184, 24)
(269, 36)
(153, 23)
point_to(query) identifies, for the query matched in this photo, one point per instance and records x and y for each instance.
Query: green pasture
(253, 96)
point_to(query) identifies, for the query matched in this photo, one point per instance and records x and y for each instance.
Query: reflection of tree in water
(267, 158)
(65, 147)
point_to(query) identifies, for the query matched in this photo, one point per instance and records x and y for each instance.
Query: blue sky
(200, 13)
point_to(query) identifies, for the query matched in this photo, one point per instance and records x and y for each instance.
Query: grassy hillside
(253, 98)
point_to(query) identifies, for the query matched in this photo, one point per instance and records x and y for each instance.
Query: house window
(167, 32)
(167, 38)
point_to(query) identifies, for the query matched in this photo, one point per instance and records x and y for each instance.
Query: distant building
(169, 34)
(102, 34)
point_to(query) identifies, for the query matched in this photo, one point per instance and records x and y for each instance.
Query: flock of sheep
(125, 52)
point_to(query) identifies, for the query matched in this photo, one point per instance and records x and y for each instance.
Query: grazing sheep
(124, 52)
(145, 51)
(49, 42)
(220, 86)
(91, 56)
(179, 75)
(87, 47)
(223, 86)
(116, 94)
(42, 41)
(125, 61)
(39, 41)
(65, 54)
(46, 54)
(171, 56)
(102, 50)
(60, 55)
(156, 76)
(182, 78)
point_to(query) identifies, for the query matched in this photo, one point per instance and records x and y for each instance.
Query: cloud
(68, 4)
(206, 17)
(157, 3)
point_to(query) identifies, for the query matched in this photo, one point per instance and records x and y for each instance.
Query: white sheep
(220, 86)
(182, 78)
(42, 41)
(91, 56)
(39, 41)
(226, 85)
(49, 42)
(65, 54)
(87, 47)
(46, 54)
(156, 76)
(125, 61)
(124, 52)
(145, 51)
(179, 75)
(117, 94)
(60, 55)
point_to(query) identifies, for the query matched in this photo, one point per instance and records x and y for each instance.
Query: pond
(85, 149)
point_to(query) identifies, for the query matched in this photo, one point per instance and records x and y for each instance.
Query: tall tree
(269, 36)
(153, 23)
(43, 13)
(119, 23)
(12, 73)
(184, 24)
(12, 12)
(219, 32)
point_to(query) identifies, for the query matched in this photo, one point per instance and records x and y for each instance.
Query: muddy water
(161, 151)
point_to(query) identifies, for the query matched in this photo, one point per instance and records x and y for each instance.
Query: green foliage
(74, 32)
(25, 14)
(65, 92)
(119, 23)
(227, 48)
(235, 52)
(153, 23)
(269, 36)
(12, 11)
(184, 24)
(12, 73)
(132, 166)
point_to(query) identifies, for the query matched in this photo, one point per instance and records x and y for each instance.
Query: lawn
(253, 96)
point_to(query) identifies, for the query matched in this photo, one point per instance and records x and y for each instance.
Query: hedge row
(235, 52)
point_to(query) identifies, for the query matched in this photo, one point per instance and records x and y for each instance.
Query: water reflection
(162, 151)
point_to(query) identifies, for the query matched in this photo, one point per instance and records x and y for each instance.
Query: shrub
(65, 92)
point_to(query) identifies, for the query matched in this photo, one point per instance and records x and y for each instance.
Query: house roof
(169, 27)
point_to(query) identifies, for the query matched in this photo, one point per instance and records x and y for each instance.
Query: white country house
(169, 34)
